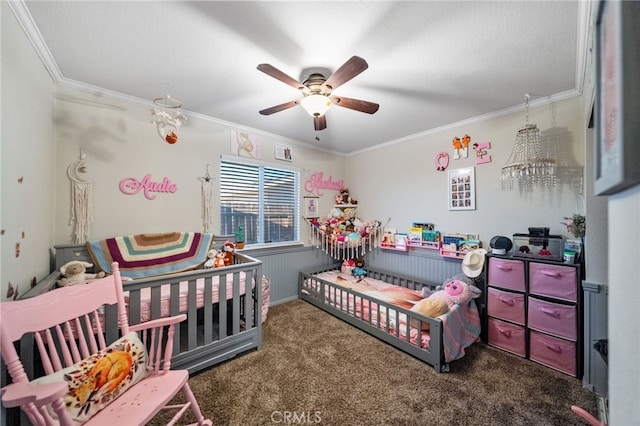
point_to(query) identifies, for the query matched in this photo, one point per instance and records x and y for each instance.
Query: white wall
(400, 181)
(624, 315)
(27, 159)
(120, 141)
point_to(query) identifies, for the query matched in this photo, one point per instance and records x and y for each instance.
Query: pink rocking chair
(86, 380)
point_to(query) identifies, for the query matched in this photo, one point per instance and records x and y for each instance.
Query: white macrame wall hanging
(81, 209)
(207, 200)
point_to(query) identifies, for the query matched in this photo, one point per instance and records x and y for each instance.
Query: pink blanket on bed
(165, 294)
(461, 325)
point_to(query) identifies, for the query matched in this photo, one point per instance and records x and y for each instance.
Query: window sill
(273, 248)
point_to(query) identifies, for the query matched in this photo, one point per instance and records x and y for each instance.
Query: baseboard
(603, 409)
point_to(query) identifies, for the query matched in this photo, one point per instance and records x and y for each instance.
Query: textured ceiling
(431, 63)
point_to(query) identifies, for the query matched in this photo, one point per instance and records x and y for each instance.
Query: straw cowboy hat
(473, 262)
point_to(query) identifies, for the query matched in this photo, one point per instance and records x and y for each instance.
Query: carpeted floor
(316, 369)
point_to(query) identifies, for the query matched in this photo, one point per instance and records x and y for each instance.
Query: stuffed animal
(347, 266)
(75, 272)
(454, 292)
(358, 270)
(219, 259)
(211, 259)
(229, 249)
(429, 307)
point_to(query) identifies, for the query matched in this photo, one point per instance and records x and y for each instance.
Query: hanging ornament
(168, 118)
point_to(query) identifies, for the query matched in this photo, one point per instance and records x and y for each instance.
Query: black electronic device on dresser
(534, 310)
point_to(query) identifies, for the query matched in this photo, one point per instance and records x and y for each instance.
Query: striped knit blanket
(147, 255)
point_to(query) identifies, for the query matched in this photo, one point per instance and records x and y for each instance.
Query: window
(264, 200)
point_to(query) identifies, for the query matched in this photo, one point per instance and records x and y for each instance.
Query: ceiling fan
(317, 91)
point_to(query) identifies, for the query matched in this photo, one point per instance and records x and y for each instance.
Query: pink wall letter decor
(131, 186)
(316, 182)
(481, 152)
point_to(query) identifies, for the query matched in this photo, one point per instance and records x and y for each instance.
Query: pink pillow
(98, 380)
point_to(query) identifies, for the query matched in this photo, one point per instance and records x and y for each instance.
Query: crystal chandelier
(527, 164)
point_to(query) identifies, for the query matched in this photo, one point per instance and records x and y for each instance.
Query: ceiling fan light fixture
(316, 105)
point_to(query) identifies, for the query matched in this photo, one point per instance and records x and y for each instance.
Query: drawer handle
(507, 333)
(551, 273)
(507, 301)
(505, 267)
(550, 312)
(554, 348)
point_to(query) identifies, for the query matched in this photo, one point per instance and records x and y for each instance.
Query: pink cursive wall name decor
(131, 186)
(316, 182)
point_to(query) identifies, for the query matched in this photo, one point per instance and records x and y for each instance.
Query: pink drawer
(509, 337)
(506, 305)
(506, 273)
(552, 318)
(553, 280)
(553, 352)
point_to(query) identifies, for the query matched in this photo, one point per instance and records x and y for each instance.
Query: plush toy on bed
(454, 292)
(229, 252)
(347, 266)
(219, 259)
(358, 270)
(75, 272)
(211, 259)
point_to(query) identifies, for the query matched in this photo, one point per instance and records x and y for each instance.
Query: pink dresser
(534, 311)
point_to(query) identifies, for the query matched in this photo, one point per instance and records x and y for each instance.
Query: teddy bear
(219, 261)
(75, 272)
(454, 292)
(229, 249)
(211, 259)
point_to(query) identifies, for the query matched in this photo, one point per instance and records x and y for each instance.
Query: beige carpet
(316, 369)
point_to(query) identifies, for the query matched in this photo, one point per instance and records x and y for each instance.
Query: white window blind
(264, 200)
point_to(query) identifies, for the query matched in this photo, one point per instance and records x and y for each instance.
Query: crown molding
(19, 9)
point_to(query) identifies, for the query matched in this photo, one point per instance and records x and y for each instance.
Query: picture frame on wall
(283, 152)
(461, 185)
(617, 97)
(311, 207)
(246, 145)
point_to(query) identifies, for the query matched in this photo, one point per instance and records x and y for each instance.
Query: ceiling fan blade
(279, 75)
(278, 108)
(346, 72)
(320, 123)
(355, 104)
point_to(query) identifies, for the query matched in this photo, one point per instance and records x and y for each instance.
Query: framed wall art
(462, 189)
(246, 144)
(617, 97)
(283, 152)
(311, 206)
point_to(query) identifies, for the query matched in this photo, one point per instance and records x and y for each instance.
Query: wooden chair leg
(195, 408)
(587, 416)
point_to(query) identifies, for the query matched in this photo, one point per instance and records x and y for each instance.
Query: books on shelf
(415, 234)
(400, 240)
(456, 245)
